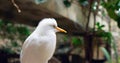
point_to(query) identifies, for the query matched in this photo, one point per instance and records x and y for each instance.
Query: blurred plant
(119, 60)
(109, 39)
(99, 26)
(111, 42)
(67, 3)
(83, 2)
(106, 54)
(113, 9)
(12, 35)
(77, 42)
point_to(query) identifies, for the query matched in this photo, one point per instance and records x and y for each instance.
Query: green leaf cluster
(111, 6)
(14, 34)
(99, 26)
(9, 28)
(109, 38)
(83, 2)
(67, 3)
(107, 55)
(77, 42)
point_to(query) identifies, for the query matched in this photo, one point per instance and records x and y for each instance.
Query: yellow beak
(61, 30)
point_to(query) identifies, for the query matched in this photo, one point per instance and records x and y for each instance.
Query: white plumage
(40, 45)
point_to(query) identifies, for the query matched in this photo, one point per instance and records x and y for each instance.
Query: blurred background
(93, 28)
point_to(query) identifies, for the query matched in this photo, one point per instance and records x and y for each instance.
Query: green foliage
(107, 55)
(1, 23)
(109, 38)
(112, 6)
(119, 60)
(14, 34)
(65, 38)
(83, 2)
(100, 32)
(67, 3)
(99, 27)
(118, 23)
(8, 50)
(23, 30)
(77, 42)
(11, 48)
(11, 28)
(111, 42)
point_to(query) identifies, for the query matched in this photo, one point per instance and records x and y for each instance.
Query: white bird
(40, 45)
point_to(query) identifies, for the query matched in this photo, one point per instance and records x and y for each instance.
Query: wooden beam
(31, 14)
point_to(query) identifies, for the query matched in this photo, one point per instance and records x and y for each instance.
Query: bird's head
(49, 24)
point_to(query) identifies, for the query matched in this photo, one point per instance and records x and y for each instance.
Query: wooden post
(88, 48)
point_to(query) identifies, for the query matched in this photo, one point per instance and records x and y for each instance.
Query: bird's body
(40, 45)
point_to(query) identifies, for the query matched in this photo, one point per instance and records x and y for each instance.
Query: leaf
(111, 42)
(14, 44)
(98, 24)
(112, 14)
(83, 2)
(76, 42)
(10, 28)
(67, 3)
(102, 26)
(23, 30)
(107, 55)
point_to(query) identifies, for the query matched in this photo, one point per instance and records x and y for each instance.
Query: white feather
(40, 45)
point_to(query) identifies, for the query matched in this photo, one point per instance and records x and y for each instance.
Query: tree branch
(17, 7)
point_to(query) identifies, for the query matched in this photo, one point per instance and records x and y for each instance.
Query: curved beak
(61, 30)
